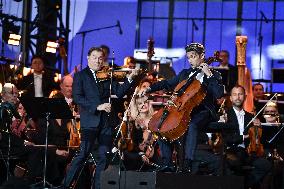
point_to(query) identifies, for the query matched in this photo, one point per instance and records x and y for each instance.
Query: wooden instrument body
(255, 146)
(125, 142)
(178, 117)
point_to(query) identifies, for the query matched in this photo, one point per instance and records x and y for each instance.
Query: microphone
(119, 27)
(263, 16)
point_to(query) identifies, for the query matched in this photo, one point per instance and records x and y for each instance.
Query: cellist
(202, 114)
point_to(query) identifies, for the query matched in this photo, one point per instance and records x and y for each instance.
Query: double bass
(171, 121)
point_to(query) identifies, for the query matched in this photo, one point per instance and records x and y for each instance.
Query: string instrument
(172, 120)
(63, 55)
(74, 129)
(105, 73)
(255, 133)
(147, 144)
(217, 144)
(244, 76)
(255, 147)
(126, 142)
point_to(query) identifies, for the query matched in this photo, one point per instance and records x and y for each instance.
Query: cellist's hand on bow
(204, 67)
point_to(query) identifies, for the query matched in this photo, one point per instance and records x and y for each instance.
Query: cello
(171, 121)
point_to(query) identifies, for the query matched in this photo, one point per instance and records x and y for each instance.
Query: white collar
(241, 112)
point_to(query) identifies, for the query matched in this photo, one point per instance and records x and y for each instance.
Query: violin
(126, 142)
(255, 132)
(147, 145)
(255, 147)
(74, 129)
(105, 73)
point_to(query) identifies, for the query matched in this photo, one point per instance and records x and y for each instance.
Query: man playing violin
(93, 98)
(202, 114)
(237, 138)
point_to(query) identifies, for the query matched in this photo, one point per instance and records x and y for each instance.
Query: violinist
(143, 153)
(106, 58)
(93, 98)
(258, 94)
(237, 139)
(202, 114)
(276, 149)
(271, 114)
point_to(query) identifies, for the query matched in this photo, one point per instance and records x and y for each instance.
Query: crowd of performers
(221, 138)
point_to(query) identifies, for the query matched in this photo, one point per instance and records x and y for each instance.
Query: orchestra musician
(143, 154)
(18, 147)
(202, 114)
(276, 149)
(40, 83)
(93, 98)
(237, 139)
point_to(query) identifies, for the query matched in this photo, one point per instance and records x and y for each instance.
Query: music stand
(41, 107)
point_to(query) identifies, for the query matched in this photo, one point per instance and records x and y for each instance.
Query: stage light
(9, 28)
(51, 47)
(14, 39)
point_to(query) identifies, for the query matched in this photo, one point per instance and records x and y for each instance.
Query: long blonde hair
(135, 109)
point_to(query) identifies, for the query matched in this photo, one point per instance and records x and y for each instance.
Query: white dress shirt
(38, 85)
(199, 76)
(241, 122)
(68, 100)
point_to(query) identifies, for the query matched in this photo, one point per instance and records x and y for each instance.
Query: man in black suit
(92, 95)
(40, 83)
(202, 114)
(237, 139)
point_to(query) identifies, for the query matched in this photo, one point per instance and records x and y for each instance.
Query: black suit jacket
(48, 84)
(232, 135)
(89, 94)
(212, 85)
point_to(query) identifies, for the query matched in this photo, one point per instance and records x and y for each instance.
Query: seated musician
(237, 139)
(143, 154)
(19, 147)
(271, 114)
(202, 114)
(39, 83)
(275, 149)
(258, 94)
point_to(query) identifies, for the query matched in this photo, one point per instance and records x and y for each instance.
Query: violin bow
(260, 111)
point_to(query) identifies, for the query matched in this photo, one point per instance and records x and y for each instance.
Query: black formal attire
(200, 116)
(237, 156)
(27, 84)
(89, 93)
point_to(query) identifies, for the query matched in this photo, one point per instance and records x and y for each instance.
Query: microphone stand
(260, 39)
(193, 27)
(83, 33)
